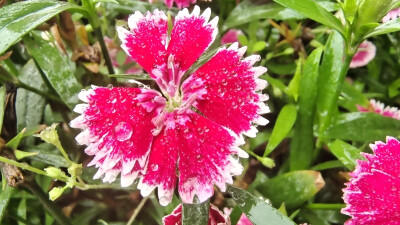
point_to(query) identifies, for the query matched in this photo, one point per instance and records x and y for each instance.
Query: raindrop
(199, 158)
(154, 167)
(114, 100)
(123, 131)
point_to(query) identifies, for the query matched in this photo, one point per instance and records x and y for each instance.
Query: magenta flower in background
(216, 217)
(179, 3)
(365, 53)
(231, 36)
(378, 107)
(243, 220)
(190, 132)
(393, 14)
(373, 193)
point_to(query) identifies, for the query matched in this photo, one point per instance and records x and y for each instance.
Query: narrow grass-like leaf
(388, 27)
(283, 126)
(257, 210)
(366, 127)
(294, 188)
(56, 68)
(195, 214)
(346, 153)
(13, 143)
(246, 12)
(30, 106)
(329, 80)
(2, 104)
(19, 18)
(5, 196)
(314, 11)
(302, 144)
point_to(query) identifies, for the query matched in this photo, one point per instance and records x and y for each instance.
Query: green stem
(137, 210)
(22, 165)
(51, 208)
(321, 206)
(95, 22)
(20, 84)
(104, 50)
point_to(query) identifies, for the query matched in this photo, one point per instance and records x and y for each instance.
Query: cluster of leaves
(50, 50)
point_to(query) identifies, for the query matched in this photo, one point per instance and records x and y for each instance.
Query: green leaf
(56, 68)
(294, 188)
(329, 80)
(346, 153)
(5, 196)
(30, 106)
(259, 46)
(302, 144)
(314, 11)
(293, 88)
(257, 210)
(13, 143)
(283, 126)
(203, 59)
(22, 210)
(388, 27)
(366, 127)
(195, 214)
(2, 104)
(328, 165)
(132, 76)
(19, 18)
(352, 97)
(246, 12)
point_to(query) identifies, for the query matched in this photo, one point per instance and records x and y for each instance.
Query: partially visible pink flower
(373, 193)
(179, 3)
(216, 217)
(365, 53)
(231, 36)
(393, 14)
(188, 133)
(378, 107)
(113, 51)
(243, 220)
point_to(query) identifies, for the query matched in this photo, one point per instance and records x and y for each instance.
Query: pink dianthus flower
(373, 193)
(378, 107)
(190, 132)
(393, 14)
(365, 53)
(231, 36)
(216, 217)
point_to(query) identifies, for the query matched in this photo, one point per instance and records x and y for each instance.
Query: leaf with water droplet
(257, 210)
(294, 188)
(195, 214)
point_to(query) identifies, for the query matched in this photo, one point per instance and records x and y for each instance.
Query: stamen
(188, 103)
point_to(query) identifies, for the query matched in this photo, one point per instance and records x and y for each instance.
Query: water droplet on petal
(199, 158)
(154, 167)
(123, 131)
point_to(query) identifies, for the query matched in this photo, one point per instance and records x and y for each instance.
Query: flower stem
(137, 210)
(322, 206)
(104, 50)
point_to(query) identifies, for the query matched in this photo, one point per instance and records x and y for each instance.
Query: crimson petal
(203, 152)
(226, 88)
(117, 128)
